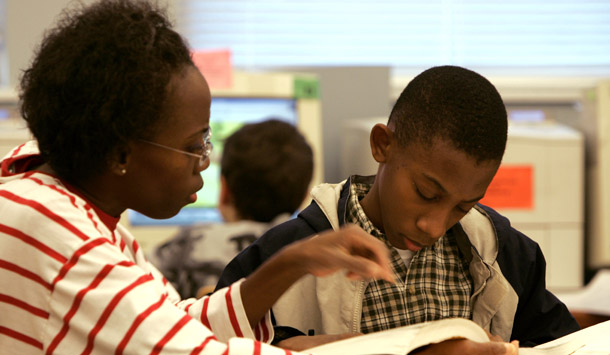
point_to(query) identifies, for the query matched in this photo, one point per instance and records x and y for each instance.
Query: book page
(594, 298)
(591, 340)
(565, 348)
(402, 340)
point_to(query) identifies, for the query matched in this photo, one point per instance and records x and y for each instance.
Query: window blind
(3, 55)
(475, 33)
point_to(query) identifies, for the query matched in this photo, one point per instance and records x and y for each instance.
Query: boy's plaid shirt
(436, 285)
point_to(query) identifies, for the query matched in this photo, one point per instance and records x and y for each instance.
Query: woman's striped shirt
(73, 281)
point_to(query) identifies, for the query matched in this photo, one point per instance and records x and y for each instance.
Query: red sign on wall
(215, 65)
(511, 188)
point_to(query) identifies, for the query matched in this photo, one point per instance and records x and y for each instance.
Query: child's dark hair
(453, 104)
(268, 167)
(98, 80)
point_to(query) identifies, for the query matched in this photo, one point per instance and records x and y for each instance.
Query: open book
(401, 341)
(591, 340)
(593, 298)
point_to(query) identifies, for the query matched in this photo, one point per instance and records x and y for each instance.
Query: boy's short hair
(453, 104)
(267, 167)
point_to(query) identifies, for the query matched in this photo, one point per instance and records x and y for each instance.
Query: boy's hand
(496, 346)
(303, 342)
(448, 347)
(464, 346)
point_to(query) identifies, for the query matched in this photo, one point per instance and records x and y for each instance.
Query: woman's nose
(202, 165)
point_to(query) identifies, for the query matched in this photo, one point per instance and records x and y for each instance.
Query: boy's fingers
(497, 348)
(463, 346)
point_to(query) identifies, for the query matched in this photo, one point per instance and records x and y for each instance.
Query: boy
(266, 169)
(452, 257)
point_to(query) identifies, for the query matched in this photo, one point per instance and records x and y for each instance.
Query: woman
(121, 120)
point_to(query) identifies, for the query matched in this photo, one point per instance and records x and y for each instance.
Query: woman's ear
(381, 141)
(119, 161)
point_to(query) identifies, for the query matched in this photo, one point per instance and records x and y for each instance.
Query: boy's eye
(424, 196)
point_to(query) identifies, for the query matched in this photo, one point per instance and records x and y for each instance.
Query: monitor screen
(227, 114)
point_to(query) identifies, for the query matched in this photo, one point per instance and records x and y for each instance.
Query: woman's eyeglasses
(206, 147)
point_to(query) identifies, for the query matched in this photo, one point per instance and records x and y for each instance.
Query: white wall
(347, 93)
(26, 21)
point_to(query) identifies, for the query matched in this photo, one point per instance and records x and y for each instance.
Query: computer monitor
(227, 115)
(253, 98)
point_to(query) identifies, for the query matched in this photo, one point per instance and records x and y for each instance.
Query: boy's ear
(119, 161)
(381, 139)
(225, 196)
(226, 203)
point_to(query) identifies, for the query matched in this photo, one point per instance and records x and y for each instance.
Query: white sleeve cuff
(227, 317)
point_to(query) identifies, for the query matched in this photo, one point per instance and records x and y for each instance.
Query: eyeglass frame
(208, 146)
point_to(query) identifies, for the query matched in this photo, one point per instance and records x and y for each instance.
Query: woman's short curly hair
(98, 80)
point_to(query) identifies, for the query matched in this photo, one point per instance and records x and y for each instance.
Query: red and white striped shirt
(73, 281)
